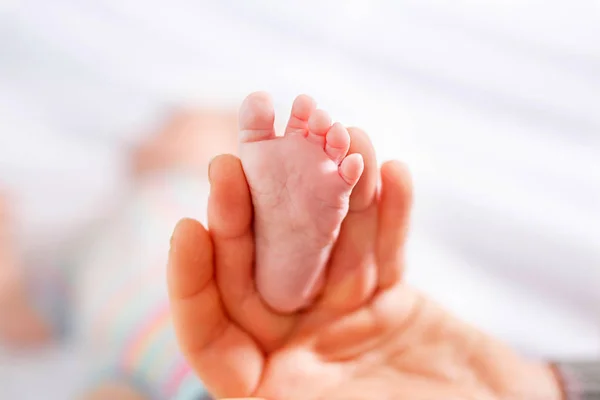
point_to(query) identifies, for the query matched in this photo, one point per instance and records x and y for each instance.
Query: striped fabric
(126, 310)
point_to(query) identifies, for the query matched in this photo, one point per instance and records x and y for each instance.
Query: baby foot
(300, 185)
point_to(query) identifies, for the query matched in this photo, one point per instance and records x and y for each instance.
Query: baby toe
(337, 142)
(302, 109)
(318, 126)
(257, 117)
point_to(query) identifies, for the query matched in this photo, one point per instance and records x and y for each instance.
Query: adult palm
(366, 334)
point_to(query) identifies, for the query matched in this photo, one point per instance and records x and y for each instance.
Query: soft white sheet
(494, 107)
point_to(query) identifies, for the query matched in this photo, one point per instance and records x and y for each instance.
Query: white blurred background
(495, 106)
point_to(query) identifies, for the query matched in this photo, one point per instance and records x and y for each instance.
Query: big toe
(257, 117)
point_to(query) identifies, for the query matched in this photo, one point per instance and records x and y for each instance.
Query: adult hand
(367, 335)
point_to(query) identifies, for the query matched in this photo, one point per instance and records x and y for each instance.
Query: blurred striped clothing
(121, 303)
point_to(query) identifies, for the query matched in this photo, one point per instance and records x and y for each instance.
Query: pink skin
(21, 326)
(300, 185)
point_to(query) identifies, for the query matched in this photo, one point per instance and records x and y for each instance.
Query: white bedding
(495, 109)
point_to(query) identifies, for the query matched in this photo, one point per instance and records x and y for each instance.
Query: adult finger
(394, 215)
(225, 357)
